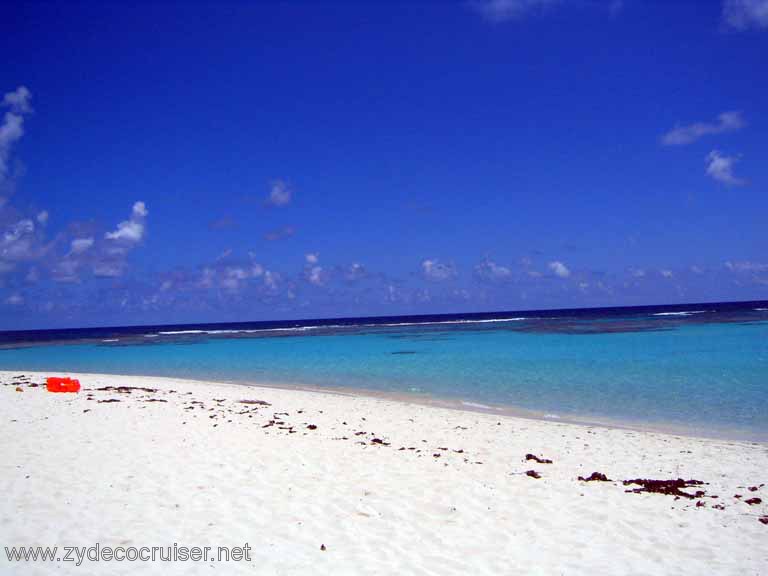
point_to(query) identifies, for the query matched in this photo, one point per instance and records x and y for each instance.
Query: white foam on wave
(680, 313)
(111, 340)
(476, 405)
(242, 331)
(257, 330)
(450, 322)
(174, 332)
(761, 309)
(329, 326)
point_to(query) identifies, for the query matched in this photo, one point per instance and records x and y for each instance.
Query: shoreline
(324, 482)
(720, 433)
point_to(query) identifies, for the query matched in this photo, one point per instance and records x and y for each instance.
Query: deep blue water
(701, 368)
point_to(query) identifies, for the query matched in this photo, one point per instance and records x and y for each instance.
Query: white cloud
(313, 272)
(461, 294)
(506, 10)
(438, 271)
(666, 273)
(746, 266)
(111, 259)
(131, 231)
(489, 270)
(355, 271)
(207, 277)
(12, 128)
(393, 294)
(315, 275)
(559, 269)
(80, 245)
(231, 277)
(42, 217)
(720, 168)
(726, 122)
(271, 280)
(743, 14)
(66, 271)
(14, 300)
(109, 268)
(18, 100)
(17, 230)
(280, 193)
(18, 242)
(139, 210)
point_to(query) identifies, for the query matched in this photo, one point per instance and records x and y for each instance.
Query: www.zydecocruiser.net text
(98, 553)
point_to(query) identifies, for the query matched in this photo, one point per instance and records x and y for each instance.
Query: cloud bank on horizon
(89, 235)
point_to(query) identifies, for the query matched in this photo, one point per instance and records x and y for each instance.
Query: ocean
(696, 368)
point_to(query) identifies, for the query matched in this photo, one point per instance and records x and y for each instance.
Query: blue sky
(200, 162)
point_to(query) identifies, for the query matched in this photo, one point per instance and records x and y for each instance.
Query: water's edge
(729, 435)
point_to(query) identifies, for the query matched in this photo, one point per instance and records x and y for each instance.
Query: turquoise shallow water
(707, 377)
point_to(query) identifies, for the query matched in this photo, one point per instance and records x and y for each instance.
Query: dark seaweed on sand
(670, 487)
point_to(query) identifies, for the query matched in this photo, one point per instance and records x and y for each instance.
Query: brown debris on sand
(537, 459)
(753, 501)
(669, 487)
(259, 402)
(125, 389)
(533, 474)
(595, 477)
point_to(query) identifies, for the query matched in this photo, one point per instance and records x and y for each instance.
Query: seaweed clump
(126, 389)
(669, 487)
(595, 477)
(537, 459)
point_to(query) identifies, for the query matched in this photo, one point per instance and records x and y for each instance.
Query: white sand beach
(385, 487)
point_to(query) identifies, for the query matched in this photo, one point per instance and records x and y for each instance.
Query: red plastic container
(56, 384)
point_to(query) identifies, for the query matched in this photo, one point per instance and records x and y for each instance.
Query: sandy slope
(75, 471)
